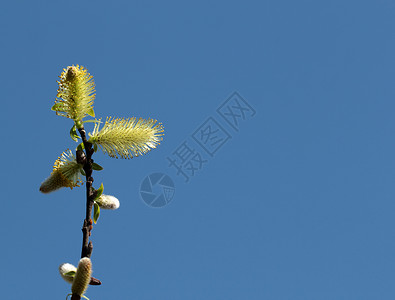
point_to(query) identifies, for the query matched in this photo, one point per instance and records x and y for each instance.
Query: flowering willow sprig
(75, 94)
(66, 173)
(118, 137)
(127, 138)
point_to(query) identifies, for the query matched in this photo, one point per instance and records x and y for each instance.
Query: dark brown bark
(86, 159)
(87, 246)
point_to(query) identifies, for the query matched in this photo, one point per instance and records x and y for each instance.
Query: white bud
(65, 269)
(107, 202)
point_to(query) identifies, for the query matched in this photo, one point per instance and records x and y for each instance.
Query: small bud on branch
(107, 202)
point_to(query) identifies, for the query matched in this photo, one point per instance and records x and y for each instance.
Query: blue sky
(296, 203)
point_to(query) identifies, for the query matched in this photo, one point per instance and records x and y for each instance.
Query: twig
(87, 166)
(86, 160)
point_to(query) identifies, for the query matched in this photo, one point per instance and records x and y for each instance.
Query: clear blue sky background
(298, 204)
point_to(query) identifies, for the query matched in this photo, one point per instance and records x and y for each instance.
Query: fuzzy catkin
(82, 277)
(108, 202)
(66, 268)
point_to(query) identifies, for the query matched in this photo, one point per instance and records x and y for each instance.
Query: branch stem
(87, 225)
(86, 158)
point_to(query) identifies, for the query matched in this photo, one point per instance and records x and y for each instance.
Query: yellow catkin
(54, 182)
(127, 138)
(76, 93)
(66, 173)
(82, 277)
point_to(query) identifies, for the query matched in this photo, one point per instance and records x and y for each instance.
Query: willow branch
(85, 158)
(87, 166)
